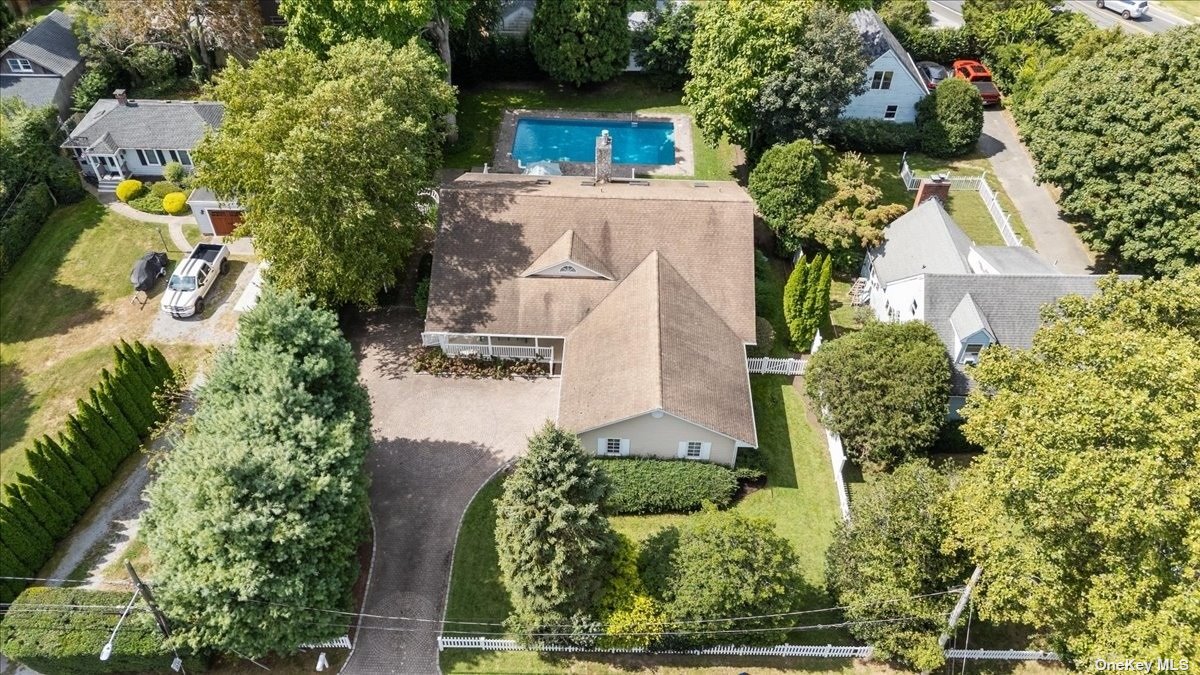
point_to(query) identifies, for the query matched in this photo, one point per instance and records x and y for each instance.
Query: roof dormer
(568, 256)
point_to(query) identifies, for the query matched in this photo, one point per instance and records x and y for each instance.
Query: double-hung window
(20, 65)
(881, 79)
(151, 157)
(889, 113)
(180, 156)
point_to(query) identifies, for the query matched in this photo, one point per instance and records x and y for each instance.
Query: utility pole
(159, 617)
(958, 609)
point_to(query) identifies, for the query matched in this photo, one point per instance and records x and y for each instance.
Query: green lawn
(799, 499)
(1188, 9)
(62, 306)
(965, 207)
(480, 110)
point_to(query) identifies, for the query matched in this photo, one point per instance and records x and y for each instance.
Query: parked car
(977, 74)
(932, 73)
(1129, 9)
(193, 278)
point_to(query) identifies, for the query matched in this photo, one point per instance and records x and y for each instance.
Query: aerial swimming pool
(574, 140)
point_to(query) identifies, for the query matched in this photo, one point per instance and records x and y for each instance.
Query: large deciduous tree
(884, 389)
(950, 119)
(580, 41)
(852, 214)
(804, 99)
(1109, 131)
(886, 561)
(331, 160)
(1085, 510)
(554, 543)
(664, 45)
(258, 510)
(786, 183)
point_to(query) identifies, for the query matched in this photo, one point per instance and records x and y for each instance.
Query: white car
(1129, 9)
(195, 276)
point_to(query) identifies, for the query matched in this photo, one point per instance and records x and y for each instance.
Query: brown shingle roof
(568, 248)
(494, 226)
(654, 344)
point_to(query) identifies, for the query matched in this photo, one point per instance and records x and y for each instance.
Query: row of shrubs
(162, 197)
(65, 473)
(641, 486)
(434, 361)
(949, 123)
(70, 638)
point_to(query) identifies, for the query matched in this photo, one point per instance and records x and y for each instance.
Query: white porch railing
(1001, 655)
(769, 366)
(976, 183)
(827, 651)
(499, 351)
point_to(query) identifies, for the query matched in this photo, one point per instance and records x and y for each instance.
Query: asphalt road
(948, 13)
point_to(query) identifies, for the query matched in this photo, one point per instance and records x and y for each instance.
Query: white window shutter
(682, 454)
(624, 447)
(705, 449)
(601, 446)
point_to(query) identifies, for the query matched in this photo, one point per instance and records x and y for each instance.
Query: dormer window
(567, 269)
(970, 353)
(20, 65)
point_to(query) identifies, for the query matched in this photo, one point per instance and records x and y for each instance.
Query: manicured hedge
(69, 641)
(40, 506)
(868, 135)
(662, 486)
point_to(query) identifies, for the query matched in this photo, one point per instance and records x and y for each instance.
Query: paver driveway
(437, 441)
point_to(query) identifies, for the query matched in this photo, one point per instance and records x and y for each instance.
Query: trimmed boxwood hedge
(70, 640)
(665, 485)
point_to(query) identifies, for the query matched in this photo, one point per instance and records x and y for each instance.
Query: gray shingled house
(641, 296)
(928, 269)
(121, 138)
(42, 67)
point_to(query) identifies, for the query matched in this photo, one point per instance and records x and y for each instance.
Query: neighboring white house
(894, 85)
(42, 66)
(927, 269)
(121, 138)
(640, 295)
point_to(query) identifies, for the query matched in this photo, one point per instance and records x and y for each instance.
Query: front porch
(544, 349)
(100, 160)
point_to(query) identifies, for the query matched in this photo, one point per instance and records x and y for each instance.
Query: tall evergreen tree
(795, 291)
(553, 540)
(57, 476)
(17, 514)
(103, 438)
(826, 283)
(810, 315)
(22, 542)
(82, 474)
(52, 513)
(75, 443)
(125, 399)
(127, 358)
(159, 363)
(103, 401)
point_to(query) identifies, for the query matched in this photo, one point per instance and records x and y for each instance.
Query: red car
(977, 74)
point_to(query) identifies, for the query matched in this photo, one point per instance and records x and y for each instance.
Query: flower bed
(434, 361)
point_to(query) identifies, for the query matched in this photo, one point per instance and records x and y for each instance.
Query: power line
(66, 581)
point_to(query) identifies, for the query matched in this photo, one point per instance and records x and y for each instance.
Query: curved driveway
(437, 441)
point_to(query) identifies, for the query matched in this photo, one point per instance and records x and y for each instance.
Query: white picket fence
(976, 183)
(1001, 655)
(826, 651)
(769, 366)
(336, 643)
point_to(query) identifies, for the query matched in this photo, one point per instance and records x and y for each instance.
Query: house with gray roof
(894, 86)
(42, 67)
(640, 295)
(928, 269)
(123, 138)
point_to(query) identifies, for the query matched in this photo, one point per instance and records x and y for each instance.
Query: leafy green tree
(908, 14)
(580, 41)
(886, 561)
(1082, 511)
(795, 291)
(258, 511)
(977, 12)
(852, 214)
(804, 99)
(950, 119)
(885, 389)
(552, 537)
(1144, 83)
(736, 47)
(730, 565)
(291, 122)
(664, 45)
(786, 184)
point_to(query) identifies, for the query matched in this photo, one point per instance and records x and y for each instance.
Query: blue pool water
(542, 140)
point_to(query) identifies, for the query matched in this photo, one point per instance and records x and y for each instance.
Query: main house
(894, 85)
(42, 67)
(123, 138)
(928, 269)
(639, 294)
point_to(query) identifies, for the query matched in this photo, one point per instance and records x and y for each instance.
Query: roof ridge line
(658, 328)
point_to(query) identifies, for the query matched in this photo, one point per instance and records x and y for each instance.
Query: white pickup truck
(193, 278)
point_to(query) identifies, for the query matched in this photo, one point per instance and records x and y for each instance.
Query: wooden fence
(770, 366)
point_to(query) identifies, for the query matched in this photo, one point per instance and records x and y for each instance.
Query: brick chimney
(936, 187)
(603, 157)
(122, 99)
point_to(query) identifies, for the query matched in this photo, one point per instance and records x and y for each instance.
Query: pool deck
(685, 164)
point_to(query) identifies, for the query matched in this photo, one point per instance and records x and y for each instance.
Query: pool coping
(685, 162)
